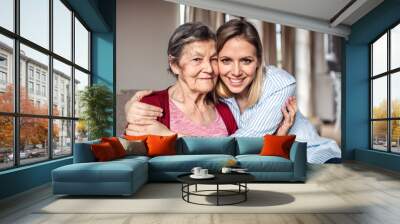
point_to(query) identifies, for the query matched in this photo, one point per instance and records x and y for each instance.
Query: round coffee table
(238, 179)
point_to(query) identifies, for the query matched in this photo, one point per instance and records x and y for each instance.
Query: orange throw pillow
(135, 138)
(277, 145)
(103, 152)
(161, 145)
(116, 145)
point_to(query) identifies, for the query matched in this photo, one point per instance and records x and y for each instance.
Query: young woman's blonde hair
(242, 29)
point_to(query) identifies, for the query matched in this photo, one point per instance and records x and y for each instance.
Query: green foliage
(380, 127)
(96, 102)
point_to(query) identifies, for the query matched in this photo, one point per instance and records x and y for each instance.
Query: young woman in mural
(190, 106)
(253, 92)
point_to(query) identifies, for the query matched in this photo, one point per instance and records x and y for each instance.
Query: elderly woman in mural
(259, 96)
(190, 106)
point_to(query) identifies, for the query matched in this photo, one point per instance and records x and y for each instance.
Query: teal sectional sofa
(125, 176)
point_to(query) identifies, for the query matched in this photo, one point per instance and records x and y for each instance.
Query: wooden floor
(378, 188)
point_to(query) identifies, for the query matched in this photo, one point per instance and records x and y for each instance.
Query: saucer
(208, 176)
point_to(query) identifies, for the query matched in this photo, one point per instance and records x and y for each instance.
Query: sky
(379, 59)
(34, 26)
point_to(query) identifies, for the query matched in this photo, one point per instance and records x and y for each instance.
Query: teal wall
(103, 53)
(356, 85)
(99, 15)
(24, 178)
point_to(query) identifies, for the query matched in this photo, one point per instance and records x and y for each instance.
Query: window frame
(16, 114)
(388, 74)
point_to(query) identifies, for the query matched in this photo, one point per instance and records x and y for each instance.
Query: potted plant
(96, 102)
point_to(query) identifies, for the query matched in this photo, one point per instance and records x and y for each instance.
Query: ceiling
(317, 15)
(320, 9)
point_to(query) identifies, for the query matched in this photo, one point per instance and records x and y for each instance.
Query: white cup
(203, 172)
(196, 171)
(226, 170)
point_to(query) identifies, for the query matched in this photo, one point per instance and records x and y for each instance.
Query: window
(3, 72)
(54, 126)
(30, 72)
(3, 78)
(3, 61)
(38, 74)
(81, 45)
(35, 22)
(43, 90)
(38, 89)
(7, 14)
(30, 87)
(385, 94)
(62, 29)
(6, 73)
(278, 30)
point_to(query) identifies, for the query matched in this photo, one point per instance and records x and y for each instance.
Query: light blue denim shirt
(265, 116)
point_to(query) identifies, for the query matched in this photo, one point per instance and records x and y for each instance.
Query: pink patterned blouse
(180, 123)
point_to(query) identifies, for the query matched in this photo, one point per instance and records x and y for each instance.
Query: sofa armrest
(83, 152)
(298, 155)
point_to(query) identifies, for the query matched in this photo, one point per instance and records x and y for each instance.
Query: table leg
(196, 188)
(217, 194)
(245, 193)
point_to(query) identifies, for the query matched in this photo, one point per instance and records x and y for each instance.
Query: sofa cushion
(185, 163)
(83, 152)
(257, 163)
(103, 152)
(249, 145)
(111, 171)
(206, 145)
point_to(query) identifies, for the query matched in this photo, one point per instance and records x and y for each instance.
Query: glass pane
(34, 81)
(395, 136)
(6, 74)
(33, 139)
(62, 29)
(81, 45)
(7, 14)
(379, 135)
(379, 97)
(379, 55)
(62, 89)
(395, 47)
(395, 94)
(35, 21)
(6, 142)
(81, 81)
(62, 138)
(81, 131)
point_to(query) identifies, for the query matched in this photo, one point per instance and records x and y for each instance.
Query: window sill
(26, 167)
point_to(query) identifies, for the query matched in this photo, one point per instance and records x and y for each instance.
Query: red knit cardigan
(161, 99)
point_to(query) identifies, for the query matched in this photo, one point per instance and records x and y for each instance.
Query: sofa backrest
(83, 153)
(206, 145)
(249, 145)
